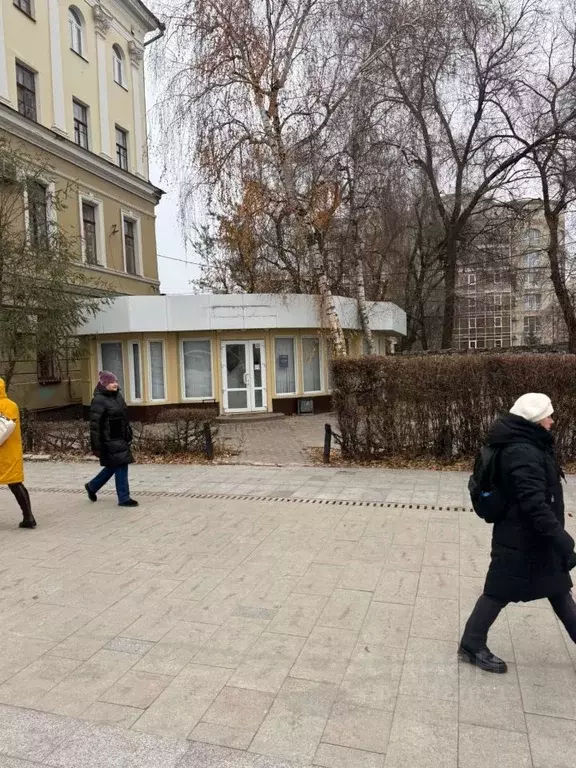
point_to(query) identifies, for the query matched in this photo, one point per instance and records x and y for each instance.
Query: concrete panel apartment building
(72, 95)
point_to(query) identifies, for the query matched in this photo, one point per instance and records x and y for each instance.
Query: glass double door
(244, 376)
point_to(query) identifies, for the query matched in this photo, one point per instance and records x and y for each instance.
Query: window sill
(49, 382)
(28, 15)
(121, 85)
(80, 56)
(199, 400)
(108, 271)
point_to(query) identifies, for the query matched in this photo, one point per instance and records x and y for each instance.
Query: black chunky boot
(483, 659)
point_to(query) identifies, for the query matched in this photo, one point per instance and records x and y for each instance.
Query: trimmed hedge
(442, 406)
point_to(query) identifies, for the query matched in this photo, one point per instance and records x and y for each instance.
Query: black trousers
(22, 497)
(487, 609)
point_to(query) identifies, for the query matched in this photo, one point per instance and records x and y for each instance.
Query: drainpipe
(161, 31)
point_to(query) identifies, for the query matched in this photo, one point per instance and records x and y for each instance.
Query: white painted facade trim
(100, 231)
(207, 312)
(43, 138)
(101, 54)
(138, 112)
(4, 91)
(59, 110)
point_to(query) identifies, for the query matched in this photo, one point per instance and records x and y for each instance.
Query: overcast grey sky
(175, 276)
(175, 266)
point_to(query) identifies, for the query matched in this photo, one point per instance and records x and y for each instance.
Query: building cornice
(38, 135)
(141, 13)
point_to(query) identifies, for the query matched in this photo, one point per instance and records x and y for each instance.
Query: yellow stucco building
(239, 353)
(72, 94)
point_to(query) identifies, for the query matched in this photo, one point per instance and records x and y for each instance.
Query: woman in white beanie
(532, 554)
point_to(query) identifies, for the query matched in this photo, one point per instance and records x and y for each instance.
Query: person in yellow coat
(12, 460)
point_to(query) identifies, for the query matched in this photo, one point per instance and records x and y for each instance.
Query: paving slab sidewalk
(239, 631)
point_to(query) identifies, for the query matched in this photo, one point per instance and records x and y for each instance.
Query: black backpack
(487, 500)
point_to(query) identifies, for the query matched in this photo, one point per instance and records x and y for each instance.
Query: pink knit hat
(105, 378)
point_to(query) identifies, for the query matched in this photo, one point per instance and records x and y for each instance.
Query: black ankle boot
(483, 659)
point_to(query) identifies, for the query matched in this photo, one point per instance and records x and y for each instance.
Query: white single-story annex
(241, 353)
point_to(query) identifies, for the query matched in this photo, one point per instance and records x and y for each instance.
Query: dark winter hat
(105, 378)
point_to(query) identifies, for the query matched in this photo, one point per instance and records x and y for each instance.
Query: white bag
(7, 426)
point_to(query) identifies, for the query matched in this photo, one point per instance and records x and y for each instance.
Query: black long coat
(530, 548)
(110, 431)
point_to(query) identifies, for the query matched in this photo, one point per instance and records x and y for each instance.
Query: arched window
(76, 30)
(532, 237)
(118, 64)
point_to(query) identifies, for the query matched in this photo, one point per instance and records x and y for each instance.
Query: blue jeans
(121, 477)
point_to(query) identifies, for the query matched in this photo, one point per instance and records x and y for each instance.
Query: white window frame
(471, 278)
(472, 322)
(296, 364)
(76, 101)
(498, 322)
(497, 299)
(122, 68)
(149, 377)
(76, 20)
(531, 281)
(321, 362)
(472, 344)
(37, 101)
(32, 14)
(130, 216)
(100, 231)
(51, 211)
(529, 299)
(131, 378)
(207, 398)
(127, 137)
(113, 341)
(533, 237)
(498, 343)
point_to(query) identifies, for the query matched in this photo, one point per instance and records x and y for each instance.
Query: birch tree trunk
(363, 307)
(357, 156)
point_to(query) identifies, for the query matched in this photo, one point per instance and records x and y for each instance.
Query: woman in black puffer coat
(110, 438)
(532, 554)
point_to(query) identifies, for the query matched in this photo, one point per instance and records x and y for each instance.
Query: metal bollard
(208, 443)
(327, 443)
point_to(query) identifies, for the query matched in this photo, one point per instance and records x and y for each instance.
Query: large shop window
(285, 366)
(311, 364)
(197, 367)
(112, 359)
(157, 383)
(135, 370)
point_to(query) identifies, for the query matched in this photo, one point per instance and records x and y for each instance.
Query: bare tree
(555, 162)
(267, 78)
(452, 80)
(44, 295)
